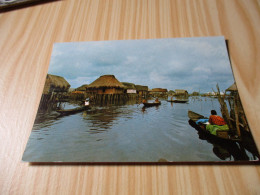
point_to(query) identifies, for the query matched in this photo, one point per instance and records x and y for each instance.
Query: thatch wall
(54, 83)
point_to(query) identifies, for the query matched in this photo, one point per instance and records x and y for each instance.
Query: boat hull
(72, 111)
(152, 104)
(201, 128)
(178, 101)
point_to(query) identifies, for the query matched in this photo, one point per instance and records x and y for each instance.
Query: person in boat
(216, 123)
(87, 102)
(156, 100)
(214, 119)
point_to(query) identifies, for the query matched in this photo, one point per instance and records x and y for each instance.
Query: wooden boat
(222, 136)
(72, 111)
(152, 104)
(178, 101)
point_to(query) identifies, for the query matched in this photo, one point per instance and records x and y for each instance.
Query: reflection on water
(127, 133)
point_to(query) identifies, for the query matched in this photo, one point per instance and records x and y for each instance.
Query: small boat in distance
(72, 111)
(146, 104)
(178, 101)
(221, 136)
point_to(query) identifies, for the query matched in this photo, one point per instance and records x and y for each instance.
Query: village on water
(107, 90)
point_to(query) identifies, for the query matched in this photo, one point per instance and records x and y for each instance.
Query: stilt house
(56, 84)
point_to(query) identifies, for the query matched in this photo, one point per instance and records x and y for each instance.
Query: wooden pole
(236, 115)
(224, 109)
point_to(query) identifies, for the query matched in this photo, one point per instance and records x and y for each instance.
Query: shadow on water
(226, 150)
(103, 118)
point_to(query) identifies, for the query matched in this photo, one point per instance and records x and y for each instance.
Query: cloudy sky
(194, 64)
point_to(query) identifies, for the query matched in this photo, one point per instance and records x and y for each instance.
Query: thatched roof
(159, 90)
(55, 83)
(141, 88)
(106, 81)
(81, 88)
(232, 87)
(128, 85)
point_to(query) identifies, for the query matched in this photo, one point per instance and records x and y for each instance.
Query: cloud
(188, 63)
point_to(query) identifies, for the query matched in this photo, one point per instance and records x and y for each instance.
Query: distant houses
(195, 93)
(158, 92)
(181, 92)
(107, 88)
(171, 93)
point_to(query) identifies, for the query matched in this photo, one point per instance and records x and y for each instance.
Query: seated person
(216, 123)
(214, 119)
(156, 100)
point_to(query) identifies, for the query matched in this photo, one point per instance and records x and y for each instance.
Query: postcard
(151, 100)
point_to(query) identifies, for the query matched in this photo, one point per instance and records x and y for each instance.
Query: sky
(193, 64)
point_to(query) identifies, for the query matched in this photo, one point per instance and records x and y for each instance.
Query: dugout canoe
(72, 111)
(178, 101)
(151, 104)
(222, 136)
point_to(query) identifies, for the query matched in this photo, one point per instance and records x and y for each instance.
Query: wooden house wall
(105, 91)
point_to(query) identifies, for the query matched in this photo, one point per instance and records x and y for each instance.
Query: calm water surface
(126, 133)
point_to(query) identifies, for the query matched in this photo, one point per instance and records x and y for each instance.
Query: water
(126, 133)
